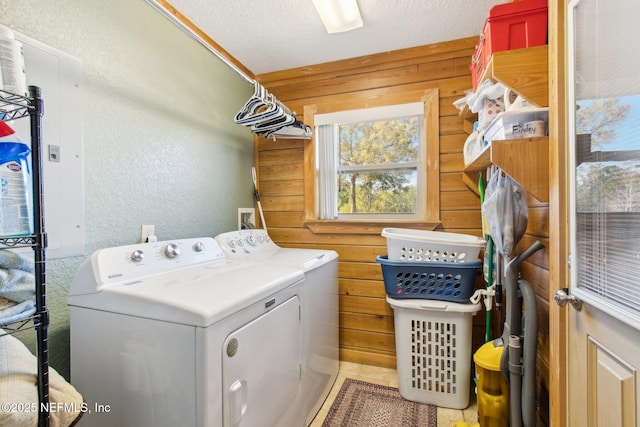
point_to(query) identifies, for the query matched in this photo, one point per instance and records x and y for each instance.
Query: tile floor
(389, 377)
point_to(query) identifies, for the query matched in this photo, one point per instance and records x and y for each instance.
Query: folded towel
(12, 260)
(16, 277)
(16, 311)
(18, 379)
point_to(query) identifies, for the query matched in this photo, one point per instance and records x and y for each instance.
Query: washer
(320, 309)
(170, 333)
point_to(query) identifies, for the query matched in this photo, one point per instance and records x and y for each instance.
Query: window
(370, 163)
(316, 189)
(605, 182)
(607, 197)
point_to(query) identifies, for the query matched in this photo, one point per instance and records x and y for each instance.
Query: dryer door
(261, 364)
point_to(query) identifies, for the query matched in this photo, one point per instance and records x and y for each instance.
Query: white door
(604, 127)
(261, 369)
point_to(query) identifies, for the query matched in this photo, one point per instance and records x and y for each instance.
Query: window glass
(606, 132)
(608, 197)
(376, 165)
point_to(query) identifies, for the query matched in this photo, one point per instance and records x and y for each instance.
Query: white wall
(160, 144)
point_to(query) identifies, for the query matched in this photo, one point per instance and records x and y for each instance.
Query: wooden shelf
(526, 71)
(525, 160)
(469, 119)
(523, 70)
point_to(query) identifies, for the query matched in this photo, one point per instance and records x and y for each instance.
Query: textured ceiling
(272, 35)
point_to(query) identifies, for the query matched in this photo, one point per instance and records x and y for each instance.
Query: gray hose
(530, 348)
(515, 383)
(514, 306)
(522, 392)
(513, 318)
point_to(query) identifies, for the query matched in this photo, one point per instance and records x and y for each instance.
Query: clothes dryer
(171, 334)
(319, 304)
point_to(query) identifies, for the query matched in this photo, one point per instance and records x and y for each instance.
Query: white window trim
(373, 98)
(326, 205)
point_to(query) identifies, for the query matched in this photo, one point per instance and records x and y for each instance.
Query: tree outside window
(371, 163)
(608, 176)
(378, 166)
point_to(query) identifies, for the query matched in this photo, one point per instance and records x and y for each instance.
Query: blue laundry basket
(442, 281)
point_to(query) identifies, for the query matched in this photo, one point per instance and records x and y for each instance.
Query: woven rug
(362, 404)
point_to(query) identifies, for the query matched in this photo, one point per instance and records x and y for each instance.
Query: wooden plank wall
(366, 320)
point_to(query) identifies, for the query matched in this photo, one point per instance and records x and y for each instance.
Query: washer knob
(172, 250)
(252, 240)
(199, 247)
(137, 255)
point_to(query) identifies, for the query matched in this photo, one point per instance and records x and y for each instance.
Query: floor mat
(362, 404)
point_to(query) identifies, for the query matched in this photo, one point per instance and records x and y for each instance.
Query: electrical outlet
(246, 218)
(146, 231)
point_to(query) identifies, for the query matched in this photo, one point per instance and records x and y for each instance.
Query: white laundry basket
(406, 244)
(433, 350)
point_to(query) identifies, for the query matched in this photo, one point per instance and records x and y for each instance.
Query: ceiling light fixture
(339, 15)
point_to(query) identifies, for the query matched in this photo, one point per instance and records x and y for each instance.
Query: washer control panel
(246, 243)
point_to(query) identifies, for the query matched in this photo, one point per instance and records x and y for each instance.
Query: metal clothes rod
(161, 6)
(167, 13)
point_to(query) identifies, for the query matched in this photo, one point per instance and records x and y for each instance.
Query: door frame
(558, 211)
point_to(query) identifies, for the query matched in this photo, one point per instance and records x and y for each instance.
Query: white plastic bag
(505, 209)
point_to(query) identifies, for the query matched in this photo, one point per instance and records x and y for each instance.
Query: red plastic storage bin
(514, 26)
(510, 26)
(477, 65)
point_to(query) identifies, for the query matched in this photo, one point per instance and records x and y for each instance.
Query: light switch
(54, 153)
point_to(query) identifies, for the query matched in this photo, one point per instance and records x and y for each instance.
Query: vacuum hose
(518, 363)
(529, 354)
(515, 381)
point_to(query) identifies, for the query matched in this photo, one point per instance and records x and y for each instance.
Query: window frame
(369, 115)
(430, 218)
